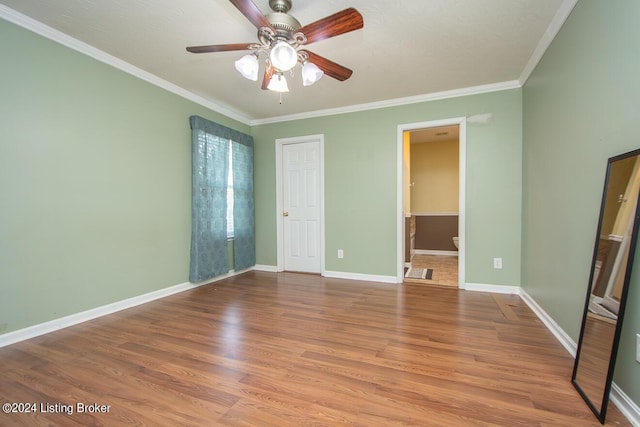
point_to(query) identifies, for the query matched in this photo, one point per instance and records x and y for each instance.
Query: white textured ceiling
(408, 48)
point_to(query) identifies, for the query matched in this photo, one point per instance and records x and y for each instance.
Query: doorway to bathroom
(431, 210)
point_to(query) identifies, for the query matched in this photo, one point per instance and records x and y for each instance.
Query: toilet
(455, 241)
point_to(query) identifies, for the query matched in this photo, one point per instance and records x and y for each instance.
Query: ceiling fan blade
(269, 71)
(220, 47)
(329, 67)
(334, 25)
(252, 13)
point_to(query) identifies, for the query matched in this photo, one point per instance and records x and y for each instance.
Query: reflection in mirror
(608, 282)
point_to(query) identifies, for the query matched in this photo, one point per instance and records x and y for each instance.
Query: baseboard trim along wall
(434, 252)
(76, 318)
(567, 342)
(495, 289)
(268, 268)
(359, 276)
(618, 397)
(628, 408)
(338, 275)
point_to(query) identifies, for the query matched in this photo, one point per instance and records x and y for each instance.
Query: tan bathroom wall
(435, 177)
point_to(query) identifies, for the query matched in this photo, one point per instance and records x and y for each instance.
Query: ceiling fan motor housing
(284, 24)
(283, 6)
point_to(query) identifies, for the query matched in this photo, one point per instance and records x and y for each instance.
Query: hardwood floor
(266, 349)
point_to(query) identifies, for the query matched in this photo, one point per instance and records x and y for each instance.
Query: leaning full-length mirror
(608, 282)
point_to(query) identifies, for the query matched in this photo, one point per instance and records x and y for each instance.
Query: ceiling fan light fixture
(283, 56)
(311, 73)
(248, 66)
(280, 37)
(278, 83)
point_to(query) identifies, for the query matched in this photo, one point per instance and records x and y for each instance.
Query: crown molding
(552, 31)
(52, 34)
(474, 90)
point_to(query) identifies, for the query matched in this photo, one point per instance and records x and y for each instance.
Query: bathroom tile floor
(445, 269)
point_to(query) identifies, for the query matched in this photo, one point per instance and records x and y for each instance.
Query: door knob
(285, 213)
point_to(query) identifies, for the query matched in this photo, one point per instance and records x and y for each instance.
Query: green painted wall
(360, 184)
(95, 180)
(581, 106)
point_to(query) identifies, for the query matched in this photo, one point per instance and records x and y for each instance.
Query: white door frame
(462, 122)
(280, 201)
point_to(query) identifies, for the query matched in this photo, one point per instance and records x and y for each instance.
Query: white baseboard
(496, 289)
(567, 342)
(358, 276)
(627, 407)
(268, 268)
(338, 275)
(434, 252)
(76, 318)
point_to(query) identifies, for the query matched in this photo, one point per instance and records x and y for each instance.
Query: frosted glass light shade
(311, 74)
(278, 83)
(283, 56)
(248, 67)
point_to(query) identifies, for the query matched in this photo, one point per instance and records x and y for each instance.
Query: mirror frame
(601, 412)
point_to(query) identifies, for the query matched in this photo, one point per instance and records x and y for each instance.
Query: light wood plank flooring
(266, 349)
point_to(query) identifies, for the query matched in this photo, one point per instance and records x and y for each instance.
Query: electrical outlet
(497, 263)
(638, 348)
(340, 253)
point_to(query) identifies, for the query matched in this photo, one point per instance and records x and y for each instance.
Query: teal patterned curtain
(244, 240)
(210, 163)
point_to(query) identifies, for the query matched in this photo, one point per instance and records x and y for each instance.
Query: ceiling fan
(279, 37)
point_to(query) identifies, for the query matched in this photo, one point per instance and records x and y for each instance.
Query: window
(222, 200)
(230, 194)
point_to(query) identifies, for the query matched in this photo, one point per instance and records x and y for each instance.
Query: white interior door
(301, 209)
